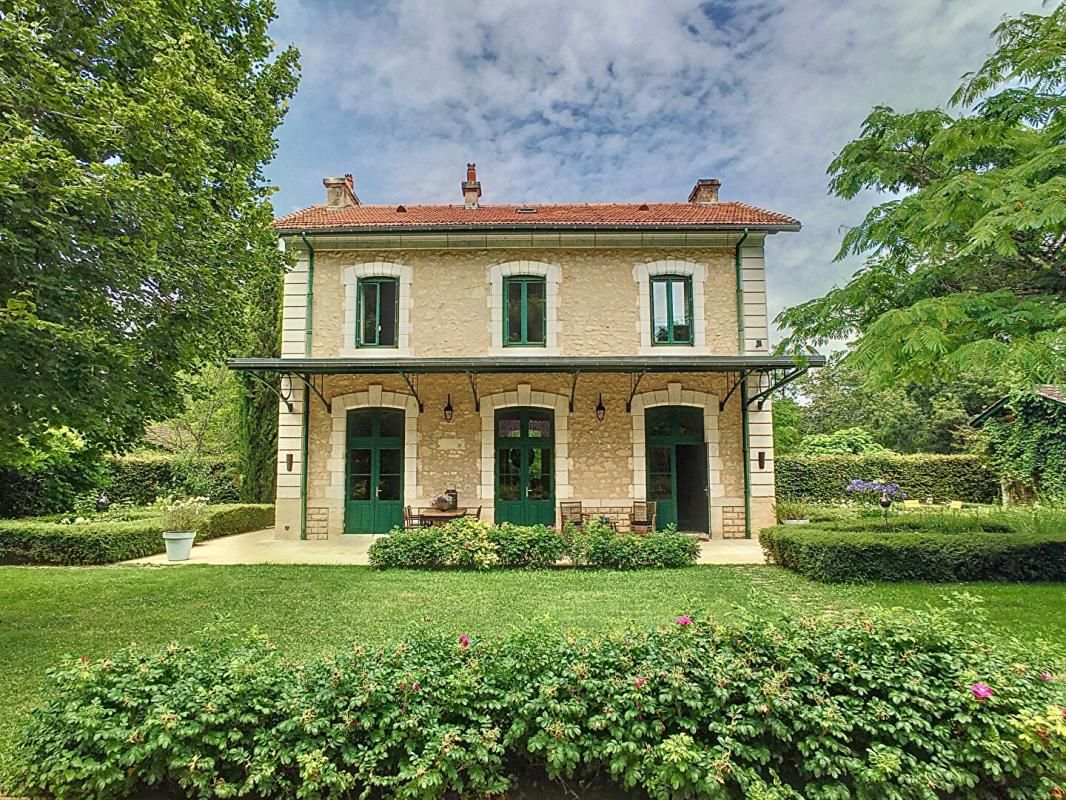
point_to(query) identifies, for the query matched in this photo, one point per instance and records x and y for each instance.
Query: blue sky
(616, 101)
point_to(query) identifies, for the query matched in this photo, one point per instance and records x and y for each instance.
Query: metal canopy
(553, 364)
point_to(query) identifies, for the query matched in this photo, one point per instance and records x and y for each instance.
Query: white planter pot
(796, 522)
(179, 544)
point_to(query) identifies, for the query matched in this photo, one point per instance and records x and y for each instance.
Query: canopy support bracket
(309, 382)
(412, 384)
(472, 377)
(760, 398)
(743, 376)
(634, 384)
(286, 399)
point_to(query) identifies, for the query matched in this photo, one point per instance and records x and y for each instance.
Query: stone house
(526, 356)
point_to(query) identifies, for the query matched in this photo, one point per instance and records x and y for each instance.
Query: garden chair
(642, 517)
(411, 521)
(912, 503)
(955, 505)
(570, 513)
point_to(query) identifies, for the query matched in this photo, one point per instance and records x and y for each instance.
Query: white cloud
(601, 100)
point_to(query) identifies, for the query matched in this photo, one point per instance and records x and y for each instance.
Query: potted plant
(793, 513)
(180, 520)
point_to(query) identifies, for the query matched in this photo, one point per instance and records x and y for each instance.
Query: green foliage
(532, 546)
(140, 479)
(938, 547)
(595, 544)
(132, 141)
(206, 425)
(928, 417)
(258, 408)
(787, 425)
(822, 479)
(98, 540)
(965, 272)
(882, 706)
(471, 544)
(1027, 446)
(848, 441)
(60, 470)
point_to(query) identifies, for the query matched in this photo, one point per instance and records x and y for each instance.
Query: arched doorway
(374, 470)
(676, 461)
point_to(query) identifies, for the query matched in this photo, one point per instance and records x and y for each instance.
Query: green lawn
(46, 613)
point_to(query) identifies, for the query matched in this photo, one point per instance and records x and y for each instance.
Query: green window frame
(671, 310)
(377, 312)
(525, 311)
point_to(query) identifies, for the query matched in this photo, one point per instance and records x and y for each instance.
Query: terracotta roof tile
(607, 215)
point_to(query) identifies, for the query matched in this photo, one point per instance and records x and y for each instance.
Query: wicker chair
(642, 517)
(570, 513)
(411, 521)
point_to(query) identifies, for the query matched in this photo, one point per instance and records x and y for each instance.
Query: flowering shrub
(871, 491)
(878, 707)
(181, 513)
(471, 544)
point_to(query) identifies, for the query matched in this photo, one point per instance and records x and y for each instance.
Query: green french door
(374, 483)
(525, 483)
(676, 459)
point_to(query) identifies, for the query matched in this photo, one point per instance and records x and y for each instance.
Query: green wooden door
(525, 483)
(666, 427)
(374, 497)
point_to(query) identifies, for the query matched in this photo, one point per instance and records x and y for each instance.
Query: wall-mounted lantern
(449, 412)
(762, 459)
(601, 409)
(288, 462)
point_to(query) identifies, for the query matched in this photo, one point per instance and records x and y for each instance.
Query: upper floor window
(524, 304)
(671, 309)
(377, 307)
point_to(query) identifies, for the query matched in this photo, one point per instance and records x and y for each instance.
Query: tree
(966, 269)
(134, 210)
(849, 441)
(258, 428)
(207, 423)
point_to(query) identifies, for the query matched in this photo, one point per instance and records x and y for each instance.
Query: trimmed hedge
(472, 544)
(898, 706)
(857, 554)
(98, 541)
(140, 479)
(821, 479)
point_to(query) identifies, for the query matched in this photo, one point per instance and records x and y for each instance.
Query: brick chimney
(471, 187)
(705, 192)
(340, 192)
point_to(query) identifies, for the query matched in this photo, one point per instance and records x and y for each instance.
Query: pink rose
(639, 682)
(464, 641)
(981, 691)
(683, 621)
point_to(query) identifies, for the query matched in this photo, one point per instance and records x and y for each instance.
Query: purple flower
(981, 691)
(638, 682)
(1045, 676)
(683, 621)
(464, 641)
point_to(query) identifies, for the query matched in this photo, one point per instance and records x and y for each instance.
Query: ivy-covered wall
(1028, 447)
(822, 479)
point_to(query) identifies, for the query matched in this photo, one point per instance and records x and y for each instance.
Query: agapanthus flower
(981, 691)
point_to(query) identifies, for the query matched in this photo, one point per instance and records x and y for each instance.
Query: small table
(436, 517)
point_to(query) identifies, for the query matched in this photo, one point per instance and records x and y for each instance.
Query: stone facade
(597, 306)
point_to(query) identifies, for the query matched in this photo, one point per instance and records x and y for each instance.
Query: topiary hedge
(822, 479)
(856, 554)
(98, 541)
(140, 479)
(907, 707)
(473, 544)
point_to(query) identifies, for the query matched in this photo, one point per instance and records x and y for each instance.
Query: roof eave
(528, 228)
